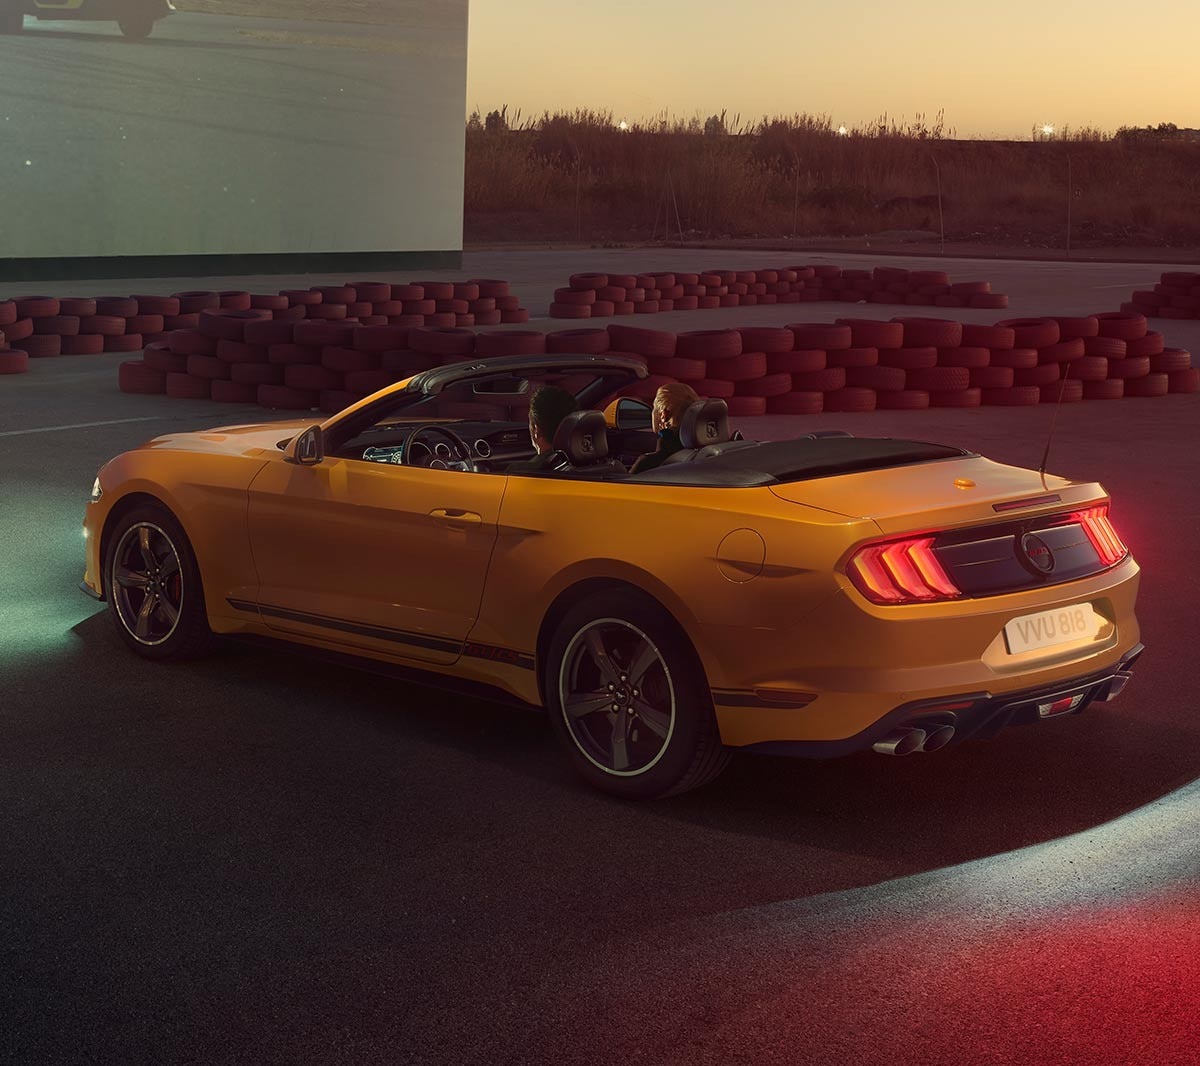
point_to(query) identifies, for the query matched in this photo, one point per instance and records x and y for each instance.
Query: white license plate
(1063, 625)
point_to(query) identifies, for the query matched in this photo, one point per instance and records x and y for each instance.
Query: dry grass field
(568, 177)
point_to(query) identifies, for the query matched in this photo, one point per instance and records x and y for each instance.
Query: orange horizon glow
(994, 71)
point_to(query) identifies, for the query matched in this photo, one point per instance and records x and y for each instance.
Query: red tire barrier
(993, 377)
(39, 345)
(747, 406)
(848, 357)
(969, 357)
(648, 342)
(492, 287)
(1150, 384)
(1033, 332)
(109, 325)
(442, 341)
(797, 403)
(827, 380)
(207, 366)
(144, 324)
(1184, 380)
(135, 376)
(160, 357)
(766, 339)
(1124, 325)
(126, 342)
(1016, 358)
(679, 367)
(713, 389)
(746, 366)
(994, 338)
(909, 358)
(269, 331)
(1137, 366)
(308, 377)
(57, 325)
(800, 361)
(282, 397)
(287, 354)
(990, 301)
(969, 397)
(902, 400)
(562, 310)
(1089, 368)
(1108, 347)
(323, 334)
(381, 338)
(520, 315)
(39, 306)
(931, 332)
(8, 312)
(1017, 396)
(229, 325)
(880, 378)
(1069, 328)
(1069, 390)
(820, 335)
(938, 378)
(345, 360)
(82, 344)
(582, 341)
(768, 385)
(80, 307)
(1108, 389)
(1062, 352)
(268, 302)
(234, 392)
(1150, 344)
(510, 342)
(1042, 374)
(711, 344)
(13, 361)
(158, 305)
(1170, 360)
(120, 306)
(850, 399)
(870, 333)
(194, 302)
(186, 387)
(405, 364)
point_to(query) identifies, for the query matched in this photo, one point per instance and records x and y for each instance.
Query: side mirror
(307, 448)
(632, 413)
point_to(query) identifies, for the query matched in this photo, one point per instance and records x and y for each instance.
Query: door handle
(456, 514)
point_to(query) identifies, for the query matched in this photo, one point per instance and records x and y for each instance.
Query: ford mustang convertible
(816, 596)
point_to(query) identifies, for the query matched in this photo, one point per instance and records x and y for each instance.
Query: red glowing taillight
(901, 571)
(1100, 532)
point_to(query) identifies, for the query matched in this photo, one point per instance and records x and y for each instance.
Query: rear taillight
(1100, 532)
(901, 571)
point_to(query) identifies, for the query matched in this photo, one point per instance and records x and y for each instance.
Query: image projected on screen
(217, 127)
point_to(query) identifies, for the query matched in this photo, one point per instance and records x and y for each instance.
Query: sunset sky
(996, 69)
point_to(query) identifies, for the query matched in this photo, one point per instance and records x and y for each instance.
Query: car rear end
(984, 596)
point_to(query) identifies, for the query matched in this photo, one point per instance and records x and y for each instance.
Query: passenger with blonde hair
(669, 404)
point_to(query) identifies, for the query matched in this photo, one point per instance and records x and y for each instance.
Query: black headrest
(582, 438)
(705, 422)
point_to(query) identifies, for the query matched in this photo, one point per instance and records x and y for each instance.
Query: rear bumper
(972, 714)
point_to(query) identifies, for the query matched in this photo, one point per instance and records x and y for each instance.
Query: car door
(387, 558)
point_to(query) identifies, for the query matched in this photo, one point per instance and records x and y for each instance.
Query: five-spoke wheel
(628, 698)
(153, 585)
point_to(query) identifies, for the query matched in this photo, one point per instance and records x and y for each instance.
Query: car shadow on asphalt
(152, 42)
(901, 815)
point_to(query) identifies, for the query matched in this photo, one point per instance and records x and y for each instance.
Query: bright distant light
(623, 126)
(842, 131)
(1048, 130)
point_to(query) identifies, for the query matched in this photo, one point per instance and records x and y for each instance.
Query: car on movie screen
(135, 18)
(817, 596)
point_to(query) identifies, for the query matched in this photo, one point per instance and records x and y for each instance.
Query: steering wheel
(458, 448)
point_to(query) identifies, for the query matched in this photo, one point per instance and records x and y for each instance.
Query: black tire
(136, 25)
(682, 750)
(148, 555)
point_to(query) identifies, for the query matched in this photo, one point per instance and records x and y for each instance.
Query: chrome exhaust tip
(938, 737)
(1115, 686)
(900, 742)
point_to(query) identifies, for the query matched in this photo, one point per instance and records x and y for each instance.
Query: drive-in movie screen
(229, 126)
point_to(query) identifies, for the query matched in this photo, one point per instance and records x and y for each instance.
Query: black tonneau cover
(776, 462)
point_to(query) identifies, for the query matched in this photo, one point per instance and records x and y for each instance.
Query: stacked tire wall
(604, 295)
(1177, 296)
(48, 326)
(852, 364)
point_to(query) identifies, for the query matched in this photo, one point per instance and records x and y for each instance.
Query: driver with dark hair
(548, 407)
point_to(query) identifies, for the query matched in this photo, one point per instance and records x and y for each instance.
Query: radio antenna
(1053, 422)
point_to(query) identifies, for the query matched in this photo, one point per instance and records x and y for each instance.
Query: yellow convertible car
(816, 596)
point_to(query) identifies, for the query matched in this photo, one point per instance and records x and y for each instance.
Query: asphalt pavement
(219, 134)
(264, 858)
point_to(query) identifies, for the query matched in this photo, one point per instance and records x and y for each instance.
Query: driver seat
(582, 440)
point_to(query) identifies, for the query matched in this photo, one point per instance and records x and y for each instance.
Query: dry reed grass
(577, 176)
